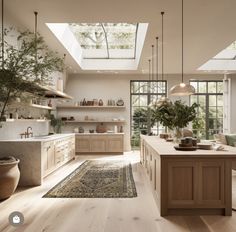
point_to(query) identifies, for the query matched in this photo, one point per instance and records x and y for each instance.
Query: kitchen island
(39, 156)
(188, 182)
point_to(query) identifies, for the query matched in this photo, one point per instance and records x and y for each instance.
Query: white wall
(114, 86)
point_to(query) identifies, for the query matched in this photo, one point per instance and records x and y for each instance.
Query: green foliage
(27, 64)
(56, 123)
(140, 118)
(175, 115)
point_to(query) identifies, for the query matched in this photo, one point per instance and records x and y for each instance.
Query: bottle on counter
(16, 114)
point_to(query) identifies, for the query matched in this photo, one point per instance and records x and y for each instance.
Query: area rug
(97, 179)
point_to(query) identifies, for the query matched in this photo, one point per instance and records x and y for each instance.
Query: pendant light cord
(162, 47)
(35, 34)
(149, 68)
(152, 62)
(2, 34)
(182, 41)
(157, 57)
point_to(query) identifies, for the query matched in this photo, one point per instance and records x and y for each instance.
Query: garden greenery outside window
(142, 93)
(209, 96)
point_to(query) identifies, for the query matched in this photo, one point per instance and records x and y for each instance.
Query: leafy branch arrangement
(25, 64)
(175, 115)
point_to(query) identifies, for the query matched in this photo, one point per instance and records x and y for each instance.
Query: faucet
(27, 133)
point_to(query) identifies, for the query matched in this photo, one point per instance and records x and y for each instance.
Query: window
(106, 40)
(209, 95)
(102, 46)
(142, 94)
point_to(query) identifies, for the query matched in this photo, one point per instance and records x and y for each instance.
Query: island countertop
(164, 148)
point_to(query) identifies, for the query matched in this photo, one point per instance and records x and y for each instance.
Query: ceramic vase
(9, 178)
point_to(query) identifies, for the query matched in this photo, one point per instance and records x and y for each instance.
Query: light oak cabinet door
(211, 183)
(115, 143)
(182, 183)
(98, 143)
(48, 156)
(196, 183)
(82, 144)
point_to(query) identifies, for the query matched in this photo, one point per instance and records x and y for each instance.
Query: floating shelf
(52, 93)
(31, 105)
(27, 120)
(91, 107)
(40, 106)
(94, 121)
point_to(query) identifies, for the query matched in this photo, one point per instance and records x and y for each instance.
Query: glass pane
(202, 100)
(135, 87)
(144, 87)
(220, 87)
(211, 87)
(121, 39)
(202, 87)
(194, 84)
(193, 99)
(91, 38)
(212, 100)
(212, 112)
(220, 112)
(220, 100)
(100, 39)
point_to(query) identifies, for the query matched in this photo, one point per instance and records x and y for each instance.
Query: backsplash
(12, 130)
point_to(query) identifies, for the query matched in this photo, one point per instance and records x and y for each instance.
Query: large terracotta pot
(9, 177)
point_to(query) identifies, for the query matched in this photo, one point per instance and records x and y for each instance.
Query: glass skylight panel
(106, 40)
(121, 39)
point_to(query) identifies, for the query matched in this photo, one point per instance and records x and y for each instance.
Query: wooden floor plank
(138, 214)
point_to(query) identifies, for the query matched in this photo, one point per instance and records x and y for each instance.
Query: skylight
(102, 46)
(223, 61)
(106, 40)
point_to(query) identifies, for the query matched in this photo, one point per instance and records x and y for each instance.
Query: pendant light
(163, 100)
(182, 89)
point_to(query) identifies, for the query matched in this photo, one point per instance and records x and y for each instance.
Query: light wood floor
(102, 215)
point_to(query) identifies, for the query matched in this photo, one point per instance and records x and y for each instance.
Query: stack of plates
(205, 146)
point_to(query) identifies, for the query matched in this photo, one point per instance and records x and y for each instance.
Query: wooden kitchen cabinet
(188, 183)
(56, 153)
(98, 143)
(82, 144)
(115, 143)
(94, 143)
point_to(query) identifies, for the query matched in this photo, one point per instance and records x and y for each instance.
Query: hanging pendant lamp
(182, 89)
(163, 100)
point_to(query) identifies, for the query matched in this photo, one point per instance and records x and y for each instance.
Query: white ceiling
(209, 26)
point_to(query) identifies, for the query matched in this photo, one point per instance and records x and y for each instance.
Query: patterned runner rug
(97, 179)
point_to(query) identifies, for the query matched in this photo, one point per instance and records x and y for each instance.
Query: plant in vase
(175, 116)
(24, 66)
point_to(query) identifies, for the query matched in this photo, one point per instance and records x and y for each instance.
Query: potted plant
(175, 116)
(9, 176)
(25, 65)
(56, 123)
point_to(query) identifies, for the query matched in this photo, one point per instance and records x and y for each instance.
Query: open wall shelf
(90, 107)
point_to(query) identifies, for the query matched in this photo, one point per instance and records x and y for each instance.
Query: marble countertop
(43, 138)
(164, 148)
